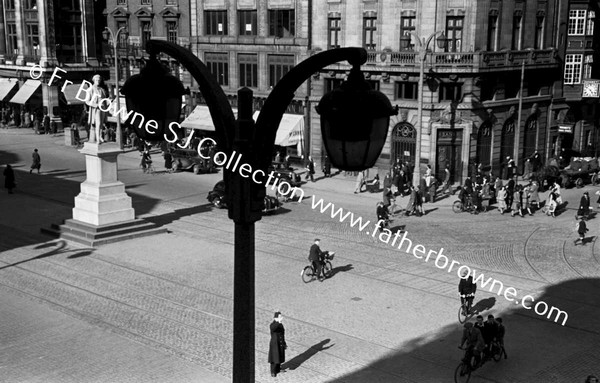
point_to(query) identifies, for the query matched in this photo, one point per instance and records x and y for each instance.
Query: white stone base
(102, 200)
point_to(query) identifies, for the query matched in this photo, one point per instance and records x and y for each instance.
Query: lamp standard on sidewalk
(354, 121)
(113, 39)
(421, 55)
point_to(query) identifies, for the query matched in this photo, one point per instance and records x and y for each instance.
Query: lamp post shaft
(417, 166)
(119, 134)
(243, 303)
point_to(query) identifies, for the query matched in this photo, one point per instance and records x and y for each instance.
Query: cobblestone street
(160, 308)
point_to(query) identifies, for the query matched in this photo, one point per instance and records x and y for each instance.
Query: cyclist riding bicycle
(382, 216)
(317, 257)
(489, 333)
(474, 344)
(466, 289)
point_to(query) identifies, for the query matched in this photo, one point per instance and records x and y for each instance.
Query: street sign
(565, 129)
(590, 88)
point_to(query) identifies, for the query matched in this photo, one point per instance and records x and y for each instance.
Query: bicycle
(496, 351)
(462, 374)
(463, 371)
(459, 207)
(464, 312)
(308, 274)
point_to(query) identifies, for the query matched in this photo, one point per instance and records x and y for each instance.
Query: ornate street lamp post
(255, 142)
(113, 39)
(422, 55)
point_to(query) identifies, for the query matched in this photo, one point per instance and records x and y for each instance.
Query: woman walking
(501, 198)
(36, 161)
(517, 202)
(277, 344)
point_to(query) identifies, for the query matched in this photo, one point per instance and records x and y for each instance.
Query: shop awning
(26, 91)
(7, 85)
(200, 119)
(70, 94)
(290, 131)
(122, 105)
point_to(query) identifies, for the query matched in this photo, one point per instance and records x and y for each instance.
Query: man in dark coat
(36, 161)
(584, 206)
(490, 330)
(581, 229)
(466, 288)
(326, 167)
(316, 257)
(9, 179)
(510, 190)
(277, 344)
(310, 169)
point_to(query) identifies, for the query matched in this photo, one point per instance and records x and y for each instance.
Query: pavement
(159, 309)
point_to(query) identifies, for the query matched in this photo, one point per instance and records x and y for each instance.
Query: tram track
(188, 355)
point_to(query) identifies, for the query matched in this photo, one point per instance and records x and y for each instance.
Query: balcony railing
(472, 60)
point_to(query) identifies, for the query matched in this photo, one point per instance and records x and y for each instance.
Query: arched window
(484, 144)
(507, 140)
(404, 141)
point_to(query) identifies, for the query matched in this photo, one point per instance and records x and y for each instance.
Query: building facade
(579, 126)
(254, 43)
(472, 76)
(62, 33)
(143, 20)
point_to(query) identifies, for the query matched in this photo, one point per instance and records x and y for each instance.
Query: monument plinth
(102, 200)
(103, 212)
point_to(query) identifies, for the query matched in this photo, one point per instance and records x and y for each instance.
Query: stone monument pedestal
(103, 212)
(102, 200)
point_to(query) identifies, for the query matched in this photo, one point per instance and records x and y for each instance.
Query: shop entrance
(448, 152)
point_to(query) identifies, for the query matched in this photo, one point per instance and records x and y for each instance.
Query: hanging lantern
(354, 123)
(154, 97)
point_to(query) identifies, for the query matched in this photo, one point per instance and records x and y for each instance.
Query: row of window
(407, 90)
(218, 64)
(26, 4)
(281, 23)
(453, 33)
(31, 38)
(147, 2)
(581, 22)
(171, 27)
(576, 67)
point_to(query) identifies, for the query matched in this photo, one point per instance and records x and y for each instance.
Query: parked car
(218, 197)
(186, 159)
(285, 174)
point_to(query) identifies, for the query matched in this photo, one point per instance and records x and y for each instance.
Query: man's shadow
(296, 361)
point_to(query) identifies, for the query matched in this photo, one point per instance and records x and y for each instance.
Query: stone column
(88, 35)
(2, 34)
(20, 60)
(50, 100)
(102, 200)
(47, 35)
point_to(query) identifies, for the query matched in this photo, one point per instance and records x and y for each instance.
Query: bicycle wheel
(327, 269)
(462, 374)
(463, 314)
(457, 206)
(307, 274)
(496, 352)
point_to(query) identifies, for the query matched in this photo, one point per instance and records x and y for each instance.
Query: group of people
(479, 338)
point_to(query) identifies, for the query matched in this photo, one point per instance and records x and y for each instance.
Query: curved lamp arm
(218, 104)
(423, 44)
(276, 104)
